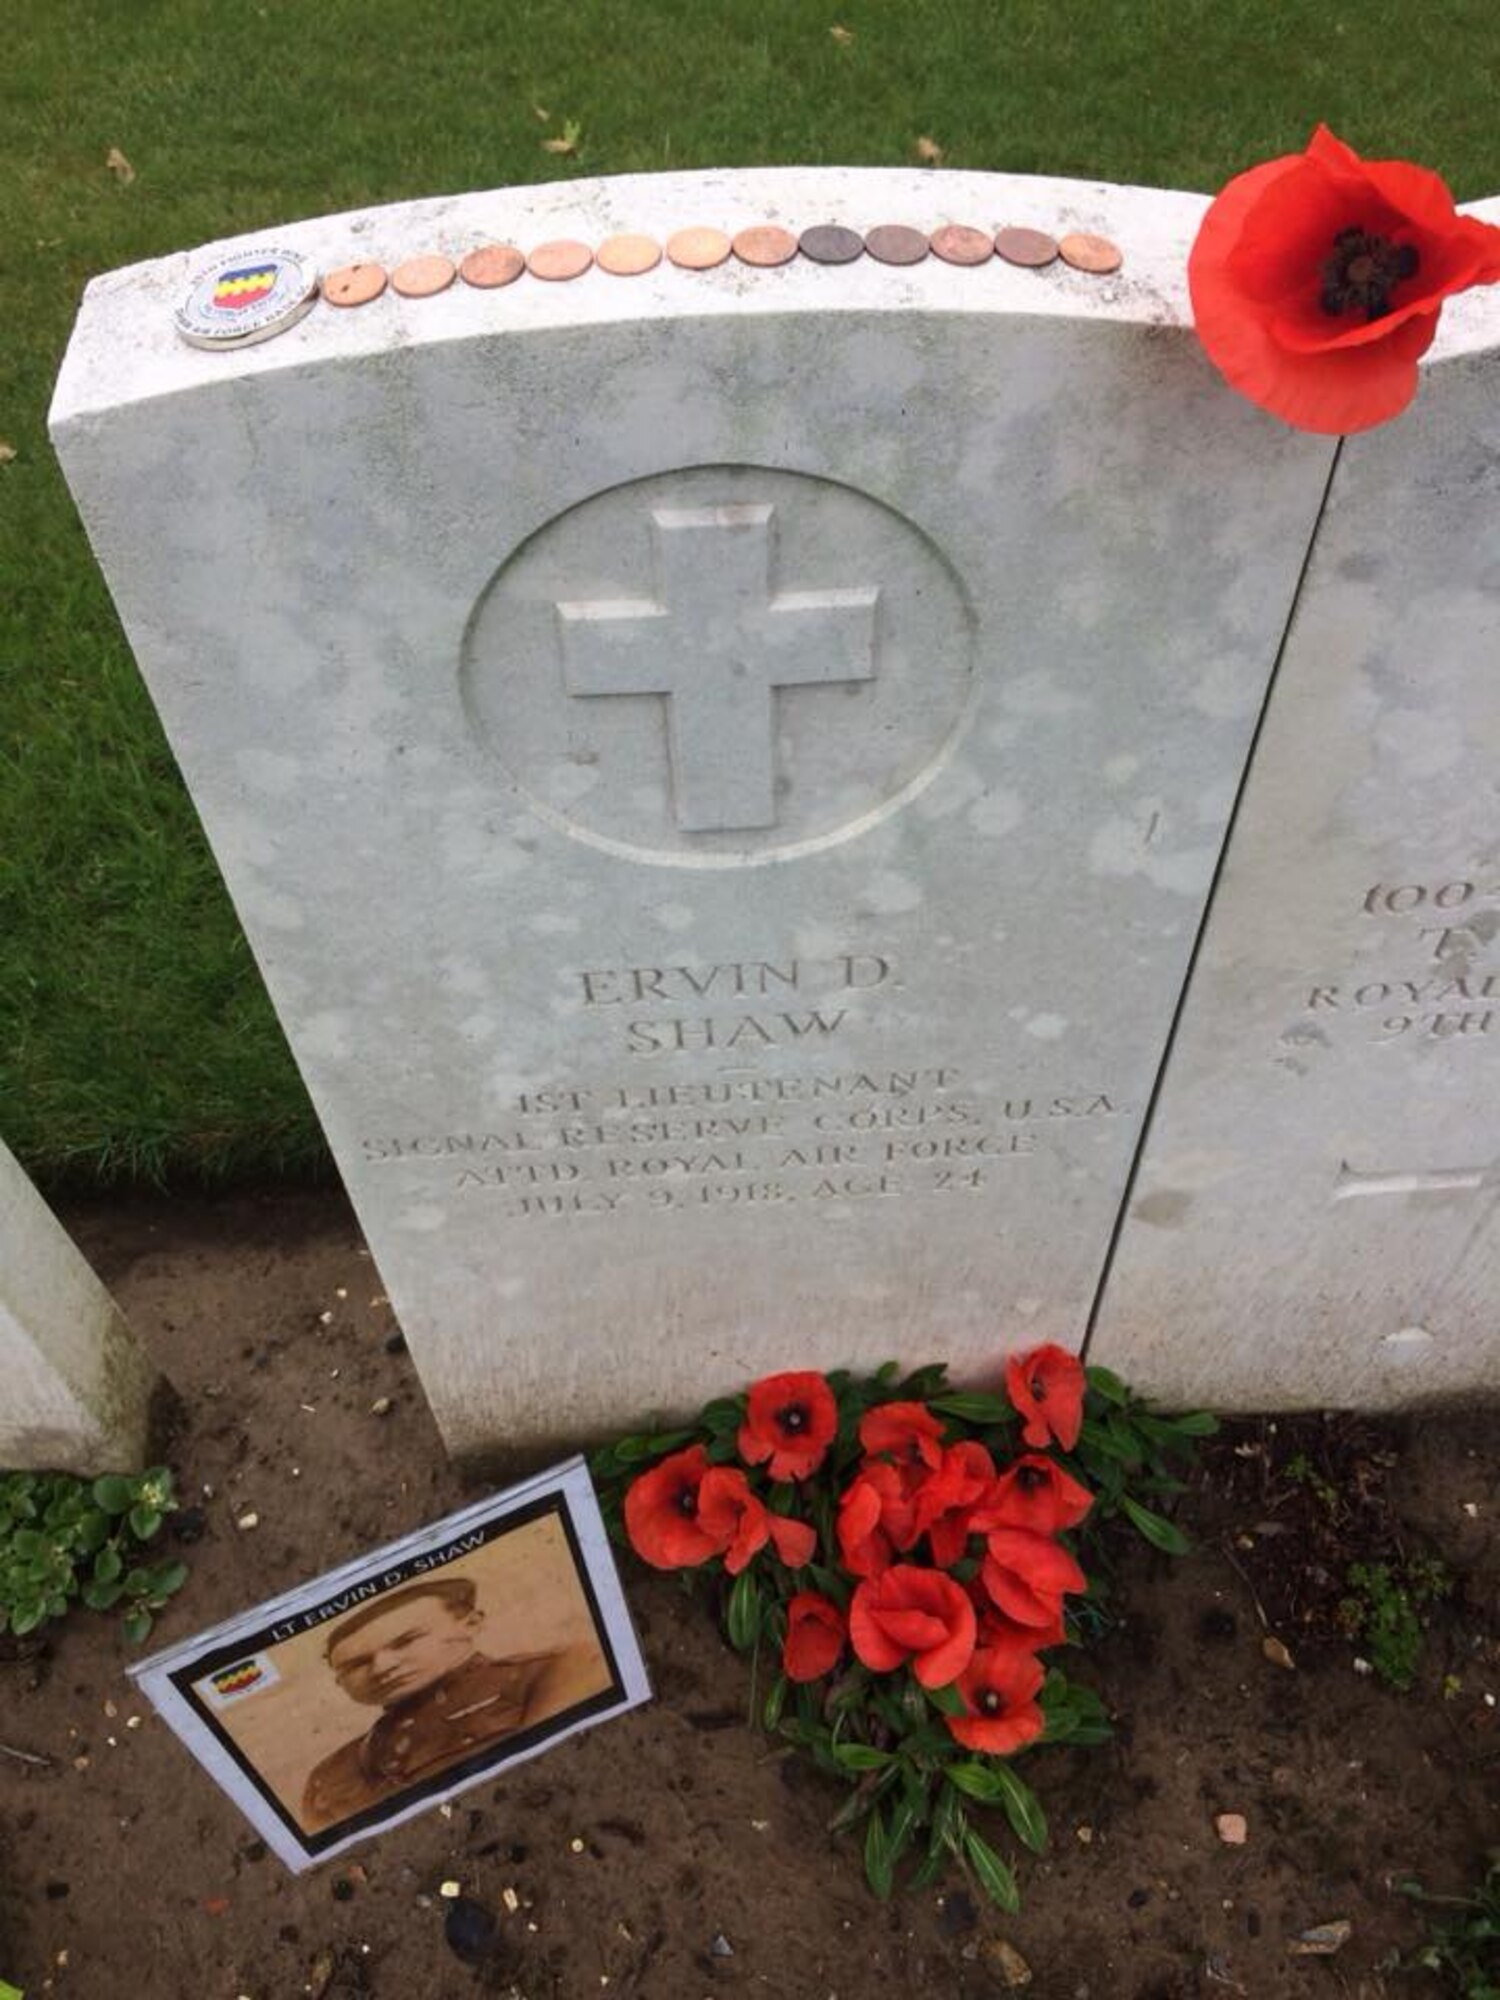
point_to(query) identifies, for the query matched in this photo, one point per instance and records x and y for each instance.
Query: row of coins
(763, 247)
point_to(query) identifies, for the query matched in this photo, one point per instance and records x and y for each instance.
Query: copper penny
(560, 260)
(956, 243)
(831, 243)
(894, 243)
(698, 249)
(422, 277)
(628, 256)
(1030, 247)
(765, 246)
(1095, 254)
(354, 285)
(492, 265)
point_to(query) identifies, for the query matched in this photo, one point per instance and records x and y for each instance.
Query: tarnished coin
(1030, 247)
(354, 285)
(560, 260)
(698, 249)
(628, 256)
(765, 245)
(831, 243)
(423, 277)
(956, 243)
(894, 243)
(246, 296)
(1095, 254)
(492, 265)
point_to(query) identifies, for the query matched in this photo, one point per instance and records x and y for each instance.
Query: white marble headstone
(720, 770)
(1315, 1217)
(75, 1388)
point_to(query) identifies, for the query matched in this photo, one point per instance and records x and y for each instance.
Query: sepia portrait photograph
(378, 1691)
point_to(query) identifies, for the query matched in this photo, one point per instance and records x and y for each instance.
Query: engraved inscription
(717, 643)
(679, 987)
(1447, 987)
(744, 1142)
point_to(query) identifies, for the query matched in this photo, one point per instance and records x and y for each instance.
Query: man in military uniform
(415, 1655)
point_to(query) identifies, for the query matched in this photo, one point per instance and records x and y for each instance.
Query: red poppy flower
(913, 1614)
(814, 1636)
(661, 1512)
(1035, 1493)
(1027, 1575)
(1045, 1386)
(1317, 280)
(999, 1688)
(909, 1433)
(945, 1500)
(876, 1517)
(790, 1420)
(741, 1525)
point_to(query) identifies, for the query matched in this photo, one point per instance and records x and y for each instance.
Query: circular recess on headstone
(721, 666)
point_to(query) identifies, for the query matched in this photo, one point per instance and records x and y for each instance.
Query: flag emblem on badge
(237, 289)
(248, 1676)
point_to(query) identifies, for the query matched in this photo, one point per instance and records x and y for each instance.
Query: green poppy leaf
(1022, 1808)
(742, 1619)
(991, 1872)
(1160, 1533)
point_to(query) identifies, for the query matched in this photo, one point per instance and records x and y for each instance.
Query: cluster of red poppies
(979, 1631)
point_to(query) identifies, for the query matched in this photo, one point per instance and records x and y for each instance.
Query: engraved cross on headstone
(717, 644)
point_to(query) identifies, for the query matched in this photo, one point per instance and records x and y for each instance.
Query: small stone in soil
(470, 1930)
(1232, 1829)
(721, 1947)
(1007, 1962)
(1322, 1940)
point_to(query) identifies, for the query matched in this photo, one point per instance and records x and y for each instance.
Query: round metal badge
(247, 296)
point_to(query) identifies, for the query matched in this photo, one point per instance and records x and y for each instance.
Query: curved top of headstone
(125, 347)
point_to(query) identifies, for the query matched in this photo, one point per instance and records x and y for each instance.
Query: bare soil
(674, 1854)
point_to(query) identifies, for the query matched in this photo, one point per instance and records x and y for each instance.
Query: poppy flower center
(687, 1503)
(1359, 275)
(992, 1702)
(1038, 1388)
(793, 1418)
(1030, 1477)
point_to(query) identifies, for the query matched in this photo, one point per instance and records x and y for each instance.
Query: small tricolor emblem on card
(246, 297)
(251, 1675)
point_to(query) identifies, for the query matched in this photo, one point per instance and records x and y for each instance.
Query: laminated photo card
(373, 1693)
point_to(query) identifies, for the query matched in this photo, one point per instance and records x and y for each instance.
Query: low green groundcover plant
(906, 1551)
(65, 1540)
(1463, 1945)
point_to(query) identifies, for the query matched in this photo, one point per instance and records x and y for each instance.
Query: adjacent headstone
(721, 769)
(74, 1385)
(1315, 1218)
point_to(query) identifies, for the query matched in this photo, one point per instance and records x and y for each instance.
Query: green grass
(135, 1038)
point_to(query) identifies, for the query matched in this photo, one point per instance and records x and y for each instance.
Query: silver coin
(246, 296)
